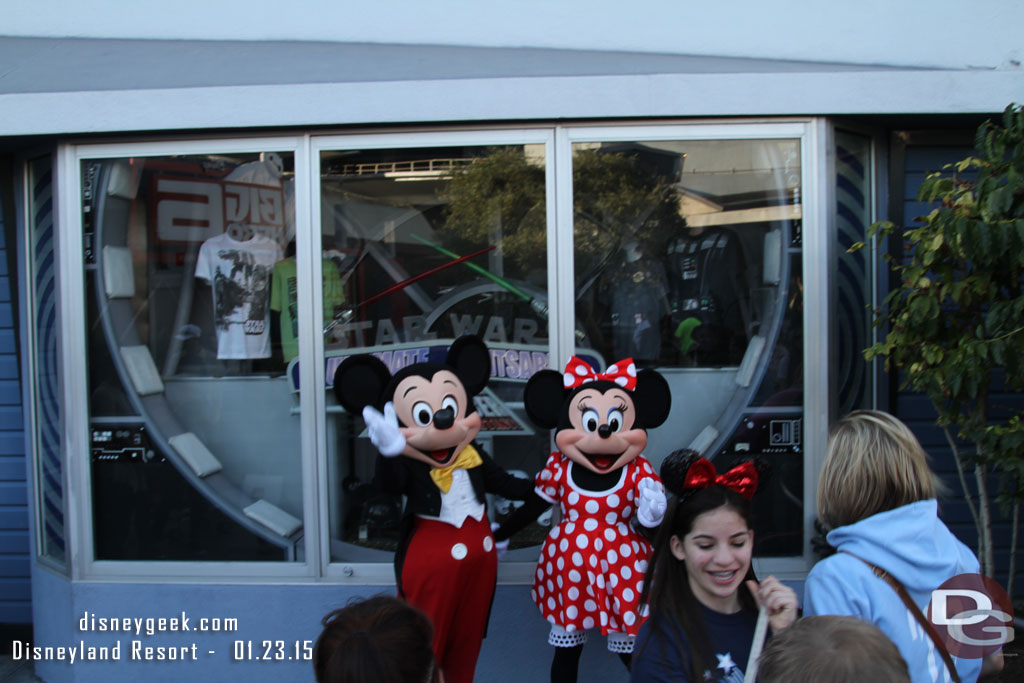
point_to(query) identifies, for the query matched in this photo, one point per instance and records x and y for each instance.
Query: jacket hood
(909, 542)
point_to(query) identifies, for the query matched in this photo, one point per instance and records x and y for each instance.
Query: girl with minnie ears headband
(700, 587)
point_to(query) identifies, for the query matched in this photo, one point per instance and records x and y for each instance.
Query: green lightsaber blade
(507, 285)
(539, 307)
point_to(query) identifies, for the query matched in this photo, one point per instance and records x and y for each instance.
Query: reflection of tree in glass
(617, 199)
(500, 194)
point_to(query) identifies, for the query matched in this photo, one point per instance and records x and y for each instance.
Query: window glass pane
(420, 247)
(687, 259)
(194, 436)
(47, 413)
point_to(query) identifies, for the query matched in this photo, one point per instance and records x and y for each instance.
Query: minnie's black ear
(471, 360)
(652, 397)
(544, 398)
(359, 382)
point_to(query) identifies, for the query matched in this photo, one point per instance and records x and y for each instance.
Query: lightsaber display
(538, 306)
(504, 283)
(416, 278)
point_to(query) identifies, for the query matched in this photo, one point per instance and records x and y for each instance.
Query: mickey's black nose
(444, 418)
(604, 431)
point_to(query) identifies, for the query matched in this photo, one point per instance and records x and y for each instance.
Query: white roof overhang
(67, 85)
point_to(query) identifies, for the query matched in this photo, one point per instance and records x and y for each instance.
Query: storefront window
(194, 441)
(210, 414)
(422, 246)
(688, 260)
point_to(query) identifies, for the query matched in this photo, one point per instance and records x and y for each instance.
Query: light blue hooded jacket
(913, 545)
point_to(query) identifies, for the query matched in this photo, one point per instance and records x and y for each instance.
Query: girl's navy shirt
(656, 659)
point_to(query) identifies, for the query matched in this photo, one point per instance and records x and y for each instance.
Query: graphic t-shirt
(656, 658)
(284, 300)
(239, 274)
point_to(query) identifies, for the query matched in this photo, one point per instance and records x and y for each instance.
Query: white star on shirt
(725, 662)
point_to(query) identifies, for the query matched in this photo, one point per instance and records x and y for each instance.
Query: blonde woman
(877, 494)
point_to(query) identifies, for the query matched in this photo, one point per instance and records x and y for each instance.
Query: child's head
(832, 648)
(378, 639)
(873, 463)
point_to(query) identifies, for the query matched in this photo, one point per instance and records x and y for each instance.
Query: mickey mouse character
(591, 567)
(446, 563)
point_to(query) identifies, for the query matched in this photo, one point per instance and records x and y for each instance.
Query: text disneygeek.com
(134, 646)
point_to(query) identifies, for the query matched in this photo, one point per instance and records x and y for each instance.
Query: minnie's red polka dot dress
(591, 569)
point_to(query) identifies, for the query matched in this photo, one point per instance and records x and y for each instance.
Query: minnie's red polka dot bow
(578, 372)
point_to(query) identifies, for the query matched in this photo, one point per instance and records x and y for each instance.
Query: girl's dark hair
(667, 593)
(379, 639)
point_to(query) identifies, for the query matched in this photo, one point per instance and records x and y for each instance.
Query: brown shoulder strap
(916, 611)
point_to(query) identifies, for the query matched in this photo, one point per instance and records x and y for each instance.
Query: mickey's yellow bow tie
(468, 458)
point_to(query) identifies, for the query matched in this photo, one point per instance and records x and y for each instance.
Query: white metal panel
(819, 200)
(509, 99)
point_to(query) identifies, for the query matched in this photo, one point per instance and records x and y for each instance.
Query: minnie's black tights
(565, 666)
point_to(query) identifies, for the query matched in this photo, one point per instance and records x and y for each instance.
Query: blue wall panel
(11, 418)
(15, 570)
(916, 410)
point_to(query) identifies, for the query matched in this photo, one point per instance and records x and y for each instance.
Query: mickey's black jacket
(400, 475)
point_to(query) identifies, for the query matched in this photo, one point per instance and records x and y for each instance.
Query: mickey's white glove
(501, 547)
(383, 430)
(652, 504)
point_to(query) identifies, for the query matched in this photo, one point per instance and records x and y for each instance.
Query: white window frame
(816, 224)
(379, 573)
(558, 139)
(72, 271)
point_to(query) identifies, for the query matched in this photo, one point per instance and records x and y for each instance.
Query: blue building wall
(515, 649)
(15, 570)
(917, 411)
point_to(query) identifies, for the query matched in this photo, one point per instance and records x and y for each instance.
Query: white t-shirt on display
(239, 274)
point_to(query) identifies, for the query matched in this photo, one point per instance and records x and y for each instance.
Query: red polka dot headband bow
(742, 479)
(578, 372)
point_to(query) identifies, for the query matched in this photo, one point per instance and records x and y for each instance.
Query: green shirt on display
(284, 300)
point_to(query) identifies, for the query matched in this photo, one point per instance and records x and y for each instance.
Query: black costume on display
(707, 295)
(635, 291)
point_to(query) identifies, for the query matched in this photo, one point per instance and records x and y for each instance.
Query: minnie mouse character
(591, 567)
(446, 563)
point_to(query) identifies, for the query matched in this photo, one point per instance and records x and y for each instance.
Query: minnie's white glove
(383, 430)
(652, 504)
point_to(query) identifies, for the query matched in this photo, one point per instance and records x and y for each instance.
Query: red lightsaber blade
(416, 278)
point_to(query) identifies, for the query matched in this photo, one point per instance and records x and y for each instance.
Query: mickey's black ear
(359, 381)
(471, 360)
(543, 398)
(652, 397)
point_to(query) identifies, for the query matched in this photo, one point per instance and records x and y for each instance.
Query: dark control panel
(121, 444)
